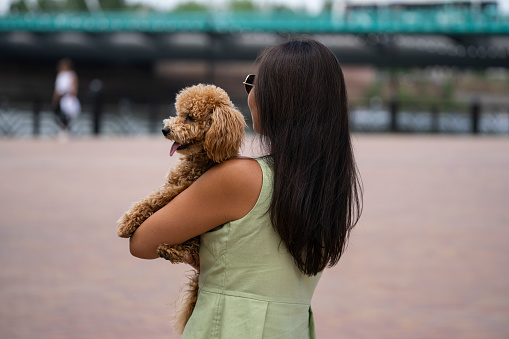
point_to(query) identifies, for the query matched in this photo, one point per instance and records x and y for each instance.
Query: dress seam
(225, 256)
(268, 300)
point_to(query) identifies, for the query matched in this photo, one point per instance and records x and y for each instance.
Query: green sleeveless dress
(249, 284)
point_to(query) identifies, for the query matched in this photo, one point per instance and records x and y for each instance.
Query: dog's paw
(180, 253)
(125, 228)
(172, 253)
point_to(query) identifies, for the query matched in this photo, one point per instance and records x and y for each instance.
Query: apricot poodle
(207, 130)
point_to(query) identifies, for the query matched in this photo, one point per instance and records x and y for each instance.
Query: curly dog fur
(207, 130)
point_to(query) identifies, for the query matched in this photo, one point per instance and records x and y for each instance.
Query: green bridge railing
(357, 21)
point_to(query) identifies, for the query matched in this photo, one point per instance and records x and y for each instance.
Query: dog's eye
(189, 118)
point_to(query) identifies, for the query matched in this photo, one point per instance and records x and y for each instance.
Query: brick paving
(429, 258)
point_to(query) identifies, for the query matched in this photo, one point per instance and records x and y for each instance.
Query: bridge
(444, 21)
(382, 36)
(138, 45)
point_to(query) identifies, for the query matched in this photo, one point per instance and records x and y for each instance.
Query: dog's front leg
(141, 210)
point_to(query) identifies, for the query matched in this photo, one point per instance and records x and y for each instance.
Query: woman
(284, 217)
(65, 102)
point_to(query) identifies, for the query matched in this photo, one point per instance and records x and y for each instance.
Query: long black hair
(302, 107)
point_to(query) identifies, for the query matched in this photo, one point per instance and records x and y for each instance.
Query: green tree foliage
(327, 6)
(75, 6)
(282, 9)
(374, 90)
(18, 7)
(242, 6)
(50, 5)
(191, 7)
(113, 5)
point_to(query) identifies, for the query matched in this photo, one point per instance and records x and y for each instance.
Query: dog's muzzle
(165, 131)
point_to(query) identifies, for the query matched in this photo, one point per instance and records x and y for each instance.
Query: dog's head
(206, 121)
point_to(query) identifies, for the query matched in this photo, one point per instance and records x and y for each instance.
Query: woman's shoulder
(241, 164)
(237, 171)
(239, 180)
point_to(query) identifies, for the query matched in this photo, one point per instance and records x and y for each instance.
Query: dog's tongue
(174, 148)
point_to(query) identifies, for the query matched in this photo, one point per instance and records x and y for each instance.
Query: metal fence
(472, 117)
(127, 118)
(123, 119)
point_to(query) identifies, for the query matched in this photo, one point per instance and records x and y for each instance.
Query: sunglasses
(248, 83)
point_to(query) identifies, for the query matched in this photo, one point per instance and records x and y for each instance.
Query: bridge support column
(37, 117)
(475, 114)
(211, 58)
(96, 89)
(393, 110)
(153, 119)
(434, 119)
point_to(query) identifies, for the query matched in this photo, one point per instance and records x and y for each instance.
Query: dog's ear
(224, 138)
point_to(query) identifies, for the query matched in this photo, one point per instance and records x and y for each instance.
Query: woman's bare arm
(226, 192)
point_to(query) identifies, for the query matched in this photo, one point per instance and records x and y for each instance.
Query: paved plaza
(428, 259)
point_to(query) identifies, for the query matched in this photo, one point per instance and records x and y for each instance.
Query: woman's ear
(224, 138)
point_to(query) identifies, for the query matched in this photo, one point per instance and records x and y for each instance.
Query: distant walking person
(65, 101)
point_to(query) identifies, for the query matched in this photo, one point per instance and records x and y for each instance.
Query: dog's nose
(165, 131)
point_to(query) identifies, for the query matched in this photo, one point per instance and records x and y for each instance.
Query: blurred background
(411, 66)
(428, 85)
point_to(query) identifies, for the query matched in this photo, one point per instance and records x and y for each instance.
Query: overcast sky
(312, 6)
